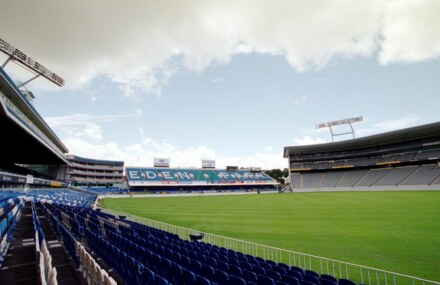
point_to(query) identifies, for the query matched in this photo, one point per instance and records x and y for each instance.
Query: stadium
(67, 219)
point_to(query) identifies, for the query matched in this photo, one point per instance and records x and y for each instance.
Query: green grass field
(395, 231)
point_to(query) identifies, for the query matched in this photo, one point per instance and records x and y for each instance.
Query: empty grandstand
(94, 173)
(206, 180)
(403, 159)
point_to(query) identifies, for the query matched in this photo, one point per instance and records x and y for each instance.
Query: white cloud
(83, 138)
(300, 99)
(84, 126)
(140, 46)
(142, 154)
(268, 148)
(390, 125)
(411, 31)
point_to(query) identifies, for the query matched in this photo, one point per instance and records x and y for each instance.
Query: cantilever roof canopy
(403, 135)
(19, 142)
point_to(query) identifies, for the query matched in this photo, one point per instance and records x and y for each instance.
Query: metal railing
(340, 269)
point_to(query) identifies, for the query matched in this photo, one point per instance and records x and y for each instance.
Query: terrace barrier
(340, 269)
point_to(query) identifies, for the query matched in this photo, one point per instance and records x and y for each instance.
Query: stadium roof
(21, 142)
(403, 135)
(94, 161)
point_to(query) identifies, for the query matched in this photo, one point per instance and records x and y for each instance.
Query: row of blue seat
(63, 196)
(7, 225)
(127, 243)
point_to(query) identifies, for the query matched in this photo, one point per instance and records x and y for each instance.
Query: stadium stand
(55, 237)
(331, 179)
(189, 180)
(138, 254)
(94, 173)
(403, 159)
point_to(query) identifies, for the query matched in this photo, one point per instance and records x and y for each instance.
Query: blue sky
(228, 80)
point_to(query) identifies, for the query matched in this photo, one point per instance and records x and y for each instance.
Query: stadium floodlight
(348, 121)
(19, 56)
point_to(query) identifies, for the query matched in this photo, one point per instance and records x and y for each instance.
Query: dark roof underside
(18, 146)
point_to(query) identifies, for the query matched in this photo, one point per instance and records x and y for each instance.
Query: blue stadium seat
(235, 280)
(189, 277)
(290, 280)
(149, 277)
(196, 266)
(202, 280)
(233, 261)
(148, 259)
(235, 270)
(241, 257)
(250, 276)
(157, 260)
(123, 266)
(273, 274)
(223, 266)
(177, 257)
(312, 273)
(297, 269)
(246, 265)
(192, 254)
(312, 278)
(343, 281)
(208, 272)
(265, 280)
(328, 277)
(328, 282)
(161, 281)
(279, 282)
(259, 270)
(211, 261)
(283, 265)
(305, 282)
(295, 274)
(176, 273)
(279, 269)
(165, 267)
(201, 258)
(131, 269)
(223, 258)
(140, 274)
(169, 253)
(266, 266)
(185, 262)
(221, 277)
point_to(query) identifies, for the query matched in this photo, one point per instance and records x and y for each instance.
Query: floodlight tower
(20, 57)
(348, 121)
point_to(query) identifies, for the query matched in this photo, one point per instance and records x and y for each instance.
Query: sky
(235, 81)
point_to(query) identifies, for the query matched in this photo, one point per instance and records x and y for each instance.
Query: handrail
(246, 245)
